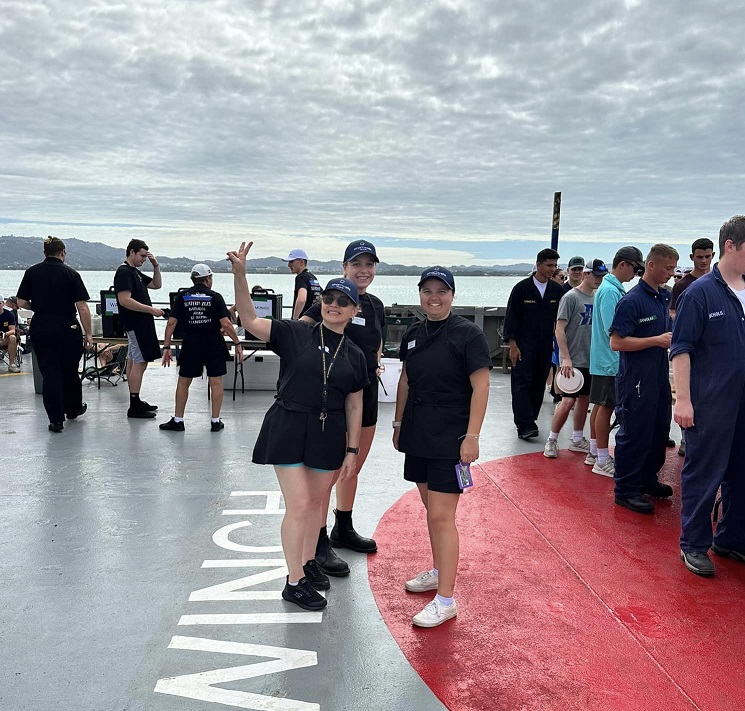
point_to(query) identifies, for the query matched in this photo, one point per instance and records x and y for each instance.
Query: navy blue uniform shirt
(643, 313)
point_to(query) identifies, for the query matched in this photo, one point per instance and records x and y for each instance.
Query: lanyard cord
(326, 375)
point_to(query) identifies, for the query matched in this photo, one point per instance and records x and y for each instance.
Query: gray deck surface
(104, 530)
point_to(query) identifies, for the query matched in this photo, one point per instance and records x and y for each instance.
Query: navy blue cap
(360, 246)
(444, 275)
(345, 286)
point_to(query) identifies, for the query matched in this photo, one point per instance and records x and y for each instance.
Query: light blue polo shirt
(604, 360)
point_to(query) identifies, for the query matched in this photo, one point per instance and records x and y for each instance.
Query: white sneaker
(582, 446)
(590, 459)
(423, 582)
(551, 450)
(14, 369)
(435, 614)
(608, 469)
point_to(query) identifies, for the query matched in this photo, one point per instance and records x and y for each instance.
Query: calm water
(470, 291)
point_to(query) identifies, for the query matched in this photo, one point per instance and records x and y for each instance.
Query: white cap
(296, 254)
(200, 271)
(2, 298)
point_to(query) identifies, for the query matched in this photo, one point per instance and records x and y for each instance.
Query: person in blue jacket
(641, 332)
(709, 371)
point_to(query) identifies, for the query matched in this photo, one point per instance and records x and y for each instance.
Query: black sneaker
(56, 426)
(317, 579)
(138, 412)
(698, 563)
(172, 425)
(670, 442)
(80, 412)
(658, 490)
(217, 426)
(528, 434)
(728, 553)
(147, 406)
(303, 595)
(637, 504)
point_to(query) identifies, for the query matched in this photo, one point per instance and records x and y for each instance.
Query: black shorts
(291, 437)
(586, 384)
(194, 358)
(370, 401)
(437, 474)
(603, 390)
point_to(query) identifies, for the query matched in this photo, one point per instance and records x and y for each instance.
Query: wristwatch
(353, 450)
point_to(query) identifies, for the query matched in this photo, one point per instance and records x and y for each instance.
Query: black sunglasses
(341, 300)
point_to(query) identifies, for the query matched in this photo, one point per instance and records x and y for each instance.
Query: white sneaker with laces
(423, 582)
(435, 614)
(582, 446)
(551, 450)
(590, 459)
(608, 469)
(14, 369)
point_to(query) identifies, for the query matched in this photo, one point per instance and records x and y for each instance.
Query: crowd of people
(612, 352)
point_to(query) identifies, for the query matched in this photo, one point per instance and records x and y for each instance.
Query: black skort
(603, 390)
(437, 474)
(195, 358)
(370, 401)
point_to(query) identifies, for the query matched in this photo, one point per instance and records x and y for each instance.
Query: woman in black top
(366, 330)
(440, 406)
(313, 429)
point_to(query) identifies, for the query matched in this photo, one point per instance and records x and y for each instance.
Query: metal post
(555, 222)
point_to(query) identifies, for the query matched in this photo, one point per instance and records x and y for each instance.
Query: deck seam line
(592, 591)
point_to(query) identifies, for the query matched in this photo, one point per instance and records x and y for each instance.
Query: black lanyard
(326, 374)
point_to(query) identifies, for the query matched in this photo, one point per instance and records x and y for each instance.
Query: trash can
(38, 380)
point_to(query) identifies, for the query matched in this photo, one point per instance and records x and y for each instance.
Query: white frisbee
(572, 384)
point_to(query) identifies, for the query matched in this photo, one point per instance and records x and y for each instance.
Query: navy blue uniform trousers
(644, 410)
(528, 384)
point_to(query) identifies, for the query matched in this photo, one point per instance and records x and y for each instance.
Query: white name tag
(412, 344)
(358, 321)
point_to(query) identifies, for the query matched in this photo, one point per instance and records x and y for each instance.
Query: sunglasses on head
(341, 300)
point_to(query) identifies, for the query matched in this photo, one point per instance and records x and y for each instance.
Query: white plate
(570, 385)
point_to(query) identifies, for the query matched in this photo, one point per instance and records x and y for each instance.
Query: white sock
(178, 419)
(553, 436)
(594, 447)
(434, 572)
(446, 601)
(576, 435)
(603, 456)
(293, 584)
(215, 419)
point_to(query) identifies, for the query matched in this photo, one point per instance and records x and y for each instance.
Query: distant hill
(21, 252)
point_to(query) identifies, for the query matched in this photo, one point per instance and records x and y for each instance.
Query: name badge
(463, 474)
(358, 321)
(412, 344)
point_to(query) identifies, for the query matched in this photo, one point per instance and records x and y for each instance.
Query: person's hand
(469, 450)
(153, 260)
(566, 368)
(166, 362)
(238, 258)
(396, 433)
(348, 467)
(156, 311)
(683, 413)
(665, 340)
(515, 354)
(88, 341)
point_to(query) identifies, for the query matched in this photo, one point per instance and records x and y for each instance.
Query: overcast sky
(439, 129)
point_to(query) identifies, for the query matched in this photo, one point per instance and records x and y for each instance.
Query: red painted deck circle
(566, 601)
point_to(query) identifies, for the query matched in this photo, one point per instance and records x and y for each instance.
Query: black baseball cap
(597, 267)
(632, 255)
(358, 247)
(444, 275)
(345, 286)
(575, 262)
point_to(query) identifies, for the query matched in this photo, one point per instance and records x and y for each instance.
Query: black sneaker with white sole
(303, 595)
(697, 562)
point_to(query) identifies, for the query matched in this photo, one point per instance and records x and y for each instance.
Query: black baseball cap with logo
(444, 275)
(345, 286)
(358, 247)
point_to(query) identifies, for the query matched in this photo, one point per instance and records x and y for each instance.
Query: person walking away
(627, 263)
(137, 313)
(57, 296)
(440, 406)
(529, 328)
(204, 316)
(313, 428)
(366, 331)
(709, 373)
(307, 288)
(702, 254)
(641, 332)
(574, 333)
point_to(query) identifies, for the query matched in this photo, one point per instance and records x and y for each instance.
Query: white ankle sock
(434, 572)
(594, 447)
(215, 419)
(553, 436)
(447, 601)
(577, 435)
(603, 456)
(178, 419)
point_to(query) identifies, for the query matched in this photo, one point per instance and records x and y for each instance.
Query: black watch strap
(353, 450)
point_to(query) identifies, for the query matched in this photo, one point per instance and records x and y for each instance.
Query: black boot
(327, 560)
(343, 535)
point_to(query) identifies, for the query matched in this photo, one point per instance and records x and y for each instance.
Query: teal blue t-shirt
(603, 360)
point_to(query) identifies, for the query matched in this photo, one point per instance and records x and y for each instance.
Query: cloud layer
(439, 128)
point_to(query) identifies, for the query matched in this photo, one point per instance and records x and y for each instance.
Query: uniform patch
(647, 319)
(716, 314)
